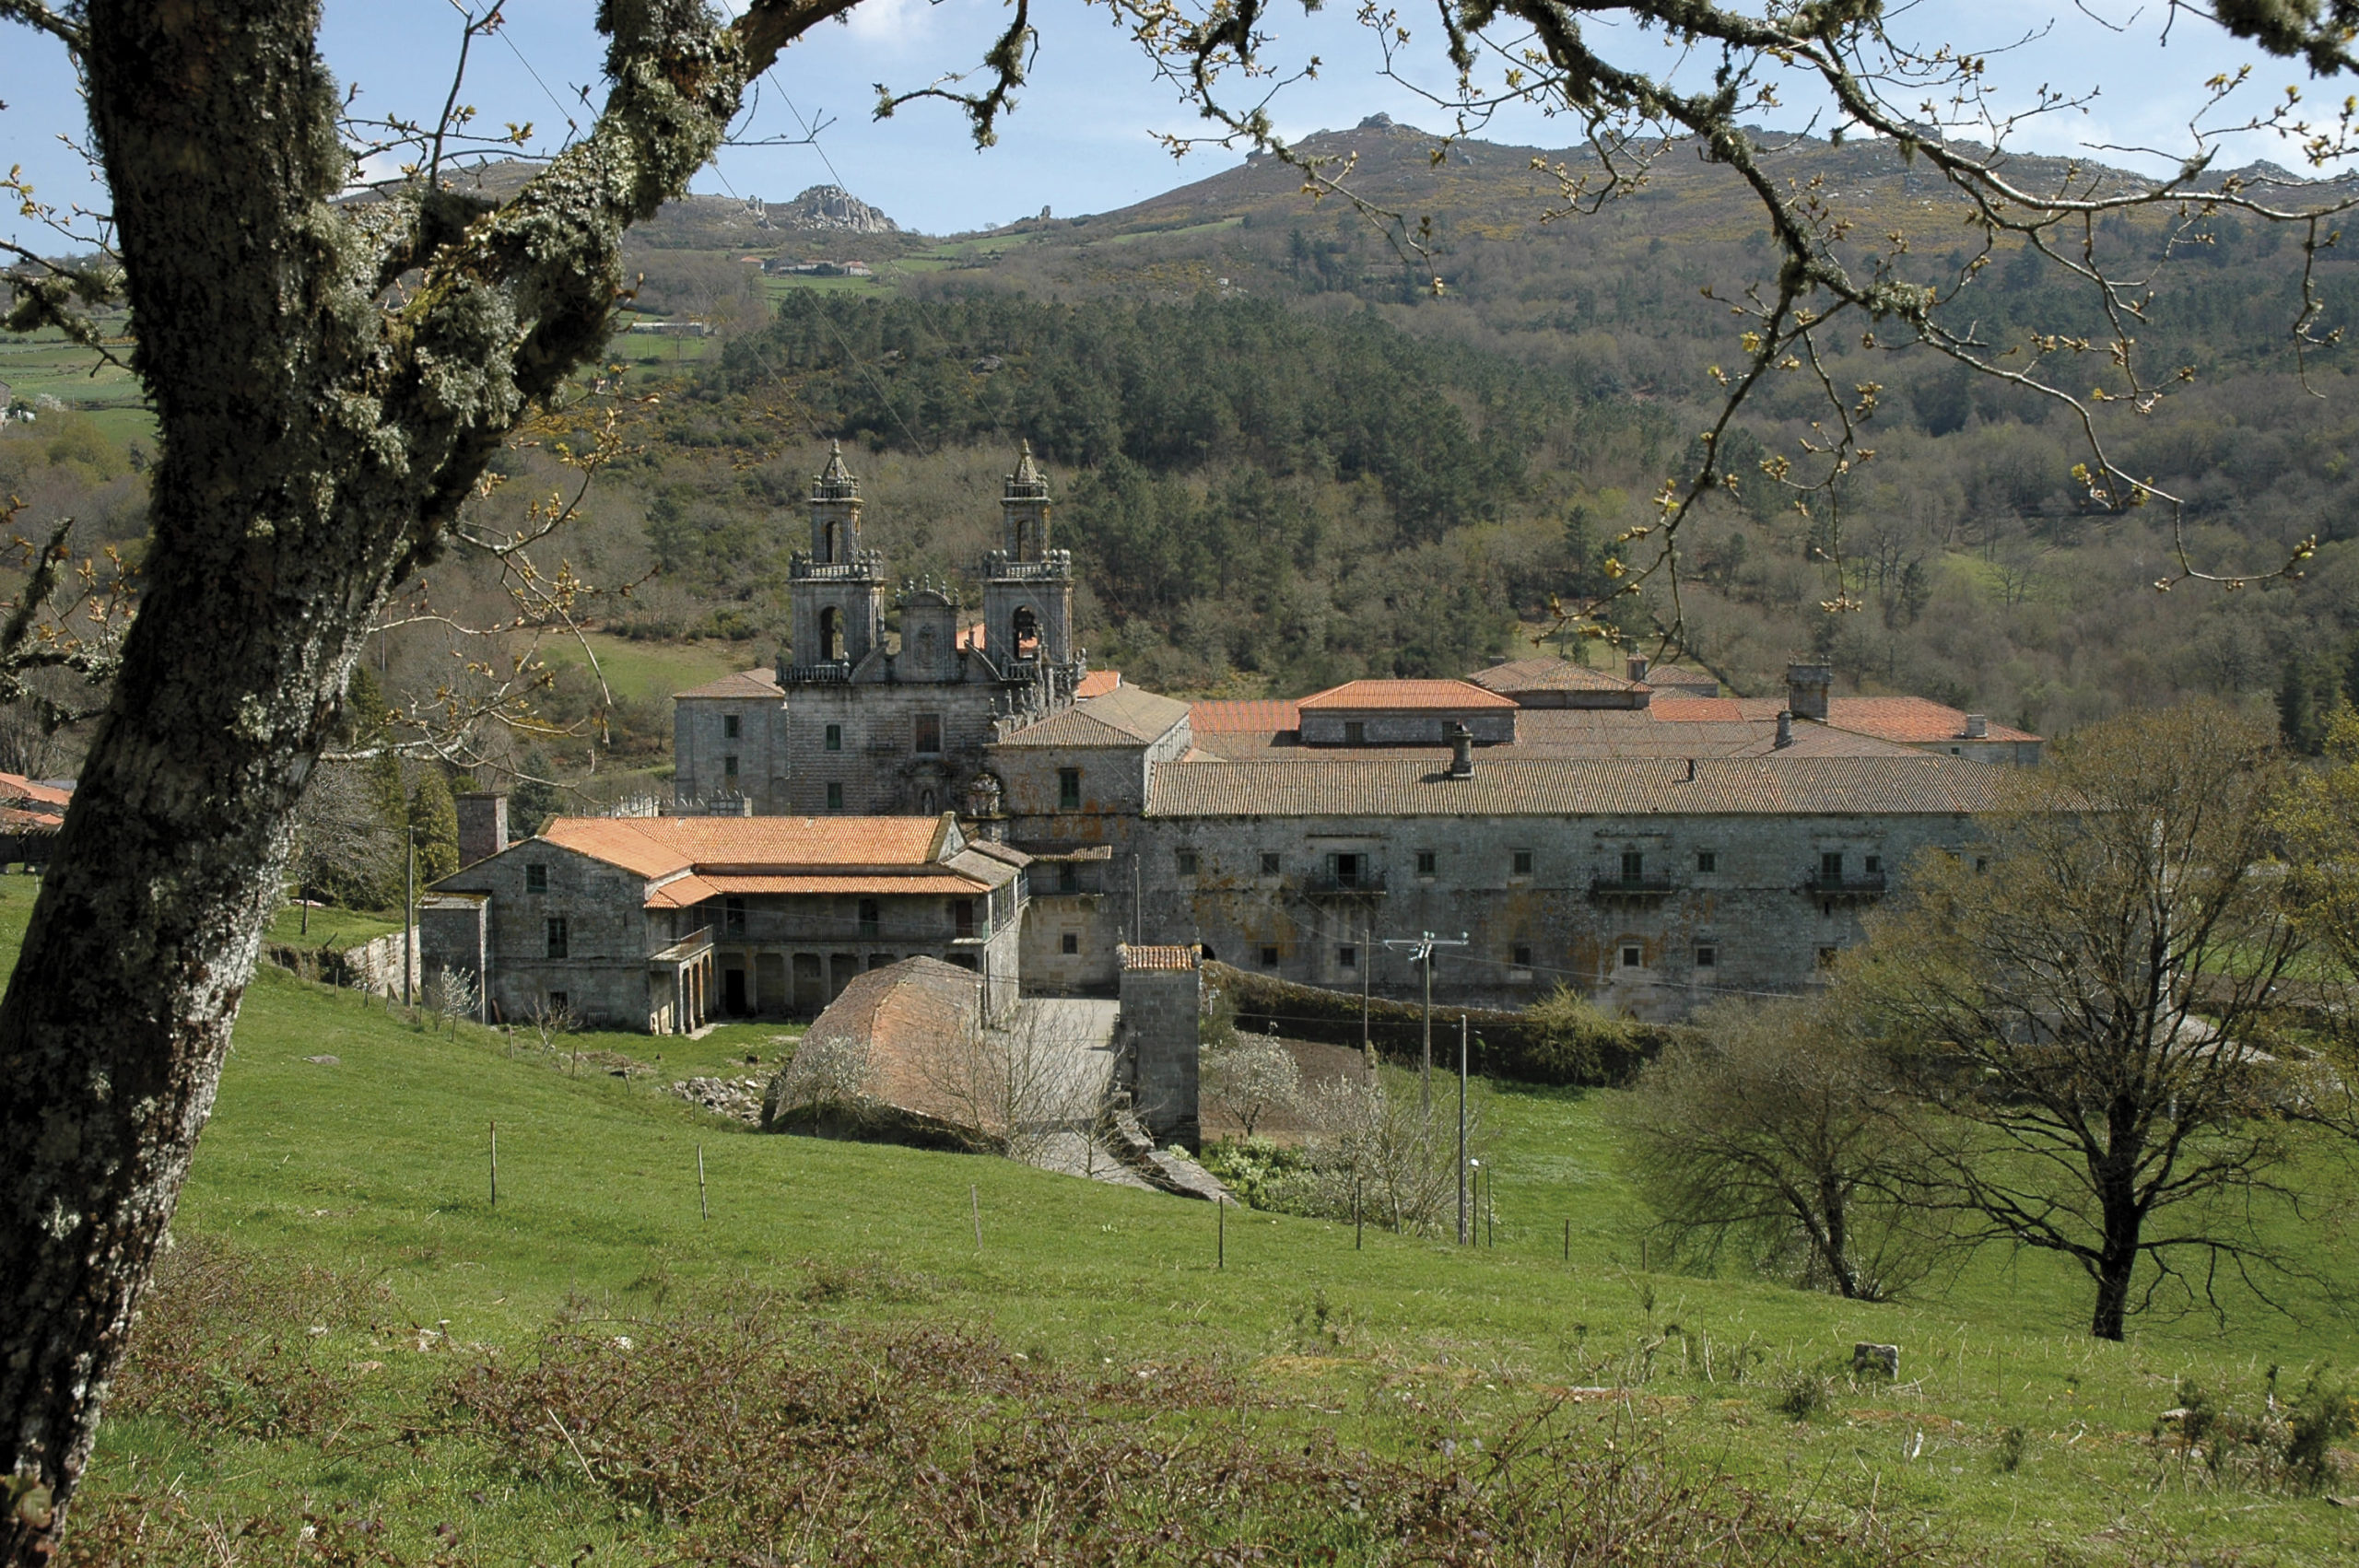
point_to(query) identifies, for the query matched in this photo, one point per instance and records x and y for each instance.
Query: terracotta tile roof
(946, 882)
(658, 846)
(1097, 682)
(15, 787)
(15, 819)
(1780, 784)
(1680, 678)
(1717, 728)
(1670, 709)
(1551, 675)
(1377, 697)
(1909, 720)
(744, 683)
(1150, 956)
(1233, 718)
(1127, 716)
(681, 892)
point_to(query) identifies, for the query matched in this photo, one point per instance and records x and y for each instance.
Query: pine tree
(434, 826)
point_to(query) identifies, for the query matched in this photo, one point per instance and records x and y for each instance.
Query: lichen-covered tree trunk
(317, 435)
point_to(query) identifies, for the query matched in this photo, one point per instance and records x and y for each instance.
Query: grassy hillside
(348, 1303)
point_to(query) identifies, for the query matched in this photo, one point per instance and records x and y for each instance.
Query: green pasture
(33, 364)
(645, 669)
(349, 1139)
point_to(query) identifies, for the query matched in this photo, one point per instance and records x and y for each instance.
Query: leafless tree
(343, 846)
(1776, 1130)
(1020, 1086)
(1251, 1076)
(2083, 1000)
(1385, 1154)
(2319, 820)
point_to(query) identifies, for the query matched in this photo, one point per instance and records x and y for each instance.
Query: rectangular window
(1830, 865)
(1268, 958)
(1347, 957)
(962, 916)
(732, 917)
(1522, 862)
(1872, 865)
(1068, 878)
(1634, 865)
(728, 726)
(558, 937)
(557, 1001)
(835, 738)
(1981, 864)
(1522, 956)
(1707, 862)
(1186, 859)
(871, 918)
(1707, 958)
(1426, 861)
(536, 879)
(1069, 944)
(729, 767)
(1354, 732)
(1633, 955)
(928, 733)
(1269, 863)
(835, 797)
(1826, 957)
(1068, 788)
(1346, 870)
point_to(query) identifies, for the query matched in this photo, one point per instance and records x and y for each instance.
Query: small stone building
(665, 923)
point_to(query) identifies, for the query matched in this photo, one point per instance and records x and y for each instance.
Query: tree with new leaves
(330, 380)
(2084, 1000)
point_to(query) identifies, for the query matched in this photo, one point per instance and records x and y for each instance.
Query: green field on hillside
(647, 670)
(346, 1292)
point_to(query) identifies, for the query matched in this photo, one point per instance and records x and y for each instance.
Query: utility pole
(1422, 952)
(1462, 1130)
(1367, 963)
(409, 905)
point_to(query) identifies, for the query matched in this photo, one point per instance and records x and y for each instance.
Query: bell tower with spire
(837, 591)
(1027, 591)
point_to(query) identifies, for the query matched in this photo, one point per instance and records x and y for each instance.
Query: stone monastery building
(971, 790)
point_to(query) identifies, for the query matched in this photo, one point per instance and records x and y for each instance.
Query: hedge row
(1558, 1041)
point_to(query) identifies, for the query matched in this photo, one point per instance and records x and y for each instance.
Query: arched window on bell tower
(831, 635)
(1026, 628)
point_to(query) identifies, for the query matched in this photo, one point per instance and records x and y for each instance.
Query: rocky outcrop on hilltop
(831, 209)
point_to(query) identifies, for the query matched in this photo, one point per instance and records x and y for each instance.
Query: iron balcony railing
(1857, 884)
(1327, 884)
(696, 944)
(1617, 886)
(835, 673)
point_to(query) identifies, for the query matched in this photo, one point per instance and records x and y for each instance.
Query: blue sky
(1082, 137)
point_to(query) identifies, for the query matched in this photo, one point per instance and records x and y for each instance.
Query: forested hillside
(1282, 459)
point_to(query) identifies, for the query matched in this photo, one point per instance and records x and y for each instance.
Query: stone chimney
(1978, 726)
(1807, 686)
(1637, 666)
(1461, 751)
(1785, 730)
(483, 825)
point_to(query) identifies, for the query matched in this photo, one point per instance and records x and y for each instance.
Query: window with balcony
(1347, 869)
(558, 937)
(729, 727)
(1634, 865)
(1830, 865)
(1068, 788)
(536, 879)
(928, 735)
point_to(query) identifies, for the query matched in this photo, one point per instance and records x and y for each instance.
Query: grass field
(374, 1167)
(645, 669)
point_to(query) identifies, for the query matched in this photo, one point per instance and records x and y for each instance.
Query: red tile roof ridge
(1413, 693)
(1155, 956)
